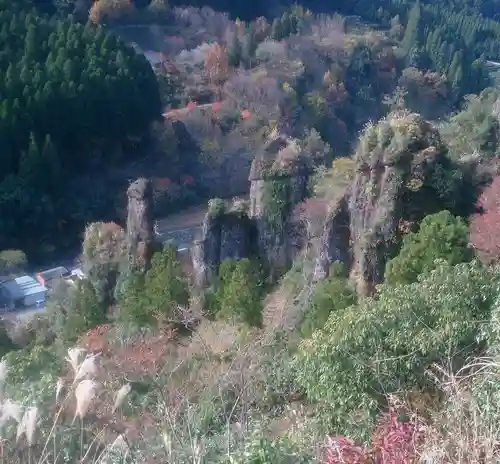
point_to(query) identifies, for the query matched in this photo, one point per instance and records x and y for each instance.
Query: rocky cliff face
(279, 180)
(140, 223)
(402, 173)
(334, 243)
(227, 232)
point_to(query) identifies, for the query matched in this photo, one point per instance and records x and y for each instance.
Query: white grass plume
(85, 392)
(59, 387)
(28, 425)
(118, 447)
(11, 410)
(4, 369)
(87, 368)
(120, 396)
(73, 358)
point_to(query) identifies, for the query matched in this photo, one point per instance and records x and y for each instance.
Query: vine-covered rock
(279, 180)
(402, 173)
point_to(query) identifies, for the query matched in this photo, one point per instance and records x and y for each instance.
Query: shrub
(132, 302)
(145, 298)
(238, 293)
(467, 426)
(385, 345)
(331, 295)
(259, 449)
(85, 311)
(276, 199)
(12, 261)
(441, 236)
(166, 285)
(29, 364)
(216, 207)
(394, 441)
(38, 329)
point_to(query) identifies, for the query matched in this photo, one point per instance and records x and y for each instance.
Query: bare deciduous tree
(255, 92)
(216, 64)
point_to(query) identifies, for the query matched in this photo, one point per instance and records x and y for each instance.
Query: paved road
(181, 228)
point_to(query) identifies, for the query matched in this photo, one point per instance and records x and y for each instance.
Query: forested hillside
(74, 97)
(76, 89)
(345, 310)
(454, 38)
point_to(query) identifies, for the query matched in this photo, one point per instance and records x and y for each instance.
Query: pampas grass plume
(121, 395)
(73, 358)
(85, 392)
(11, 410)
(87, 368)
(59, 387)
(28, 424)
(119, 446)
(4, 369)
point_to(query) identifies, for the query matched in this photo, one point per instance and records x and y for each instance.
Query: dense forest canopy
(70, 87)
(452, 37)
(73, 97)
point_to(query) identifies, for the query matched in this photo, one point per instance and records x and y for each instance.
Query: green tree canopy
(145, 298)
(386, 344)
(73, 98)
(331, 295)
(441, 236)
(239, 292)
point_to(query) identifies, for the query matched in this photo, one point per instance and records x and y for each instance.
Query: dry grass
(217, 370)
(220, 371)
(467, 429)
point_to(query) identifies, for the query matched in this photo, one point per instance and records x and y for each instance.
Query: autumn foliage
(394, 441)
(485, 224)
(216, 64)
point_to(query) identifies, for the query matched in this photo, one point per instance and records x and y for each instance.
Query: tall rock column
(140, 223)
(278, 182)
(401, 174)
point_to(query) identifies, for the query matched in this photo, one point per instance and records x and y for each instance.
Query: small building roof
(23, 286)
(53, 273)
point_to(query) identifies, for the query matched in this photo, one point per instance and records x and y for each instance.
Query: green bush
(29, 364)
(12, 261)
(238, 293)
(84, 312)
(216, 207)
(385, 345)
(147, 297)
(263, 450)
(330, 296)
(441, 236)
(276, 200)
